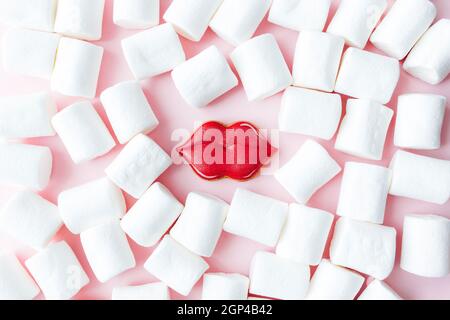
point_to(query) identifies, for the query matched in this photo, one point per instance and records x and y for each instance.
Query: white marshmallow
(30, 219)
(203, 78)
(138, 165)
(30, 53)
(419, 177)
(83, 132)
(304, 235)
(25, 165)
(15, 282)
(261, 67)
(200, 224)
(222, 286)
(364, 129)
(107, 250)
(378, 290)
(176, 266)
(36, 14)
(136, 14)
(317, 59)
(236, 21)
(356, 19)
(300, 15)
(128, 110)
(256, 217)
(364, 247)
(82, 19)
(426, 245)
(275, 277)
(27, 116)
(396, 35)
(190, 18)
(331, 282)
(152, 215)
(308, 171)
(151, 291)
(419, 121)
(429, 60)
(57, 271)
(310, 112)
(91, 205)
(77, 68)
(367, 75)
(364, 191)
(153, 52)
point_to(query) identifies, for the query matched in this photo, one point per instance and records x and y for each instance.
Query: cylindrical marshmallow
(91, 204)
(77, 68)
(429, 60)
(317, 59)
(378, 290)
(223, 286)
(107, 250)
(403, 25)
(27, 116)
(364, 129)
(25, 165)
(355, 20)
(151, 291)
(83, 132)
(136, 14)
(419, 177)
(426, 245)
(36, 14)
(261, 67)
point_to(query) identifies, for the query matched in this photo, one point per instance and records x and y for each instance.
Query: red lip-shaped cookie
(215, 151)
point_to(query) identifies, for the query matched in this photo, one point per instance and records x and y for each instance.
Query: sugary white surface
(378, 290)
(223, 286)
(151, 291)
(136, 14)
(36, 14)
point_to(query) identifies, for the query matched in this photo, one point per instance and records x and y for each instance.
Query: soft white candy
(151, 291)
(107, 250)
(200, 224)
(25, 165)
(310, 112)
(276, 277)
(236, 21)
(169, 258)
(128, 110)
(27, 116)
(304, 235)
(300, 14)
(77, 68)
(81, 19)
(308, 171)
(317, 59)
(57, 271)
(363, 246)
(419, 177)
(153, 52)
(30, 53)
(222, 286)
(83, 132)
(256, 217)
(261, 67)
(426, 245)
(36, 14)
(15, 282)
(355, 20)
(138, 165)
(331, 282)
(191, 17)
(136, 14)
(378, 290)
(91, 204)
(364, 192)
(367, 75)
(403, 25)
(364, 129)
(429, 60)
(203, 78)
(419, 121)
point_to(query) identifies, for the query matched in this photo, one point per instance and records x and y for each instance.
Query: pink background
(233, 254)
